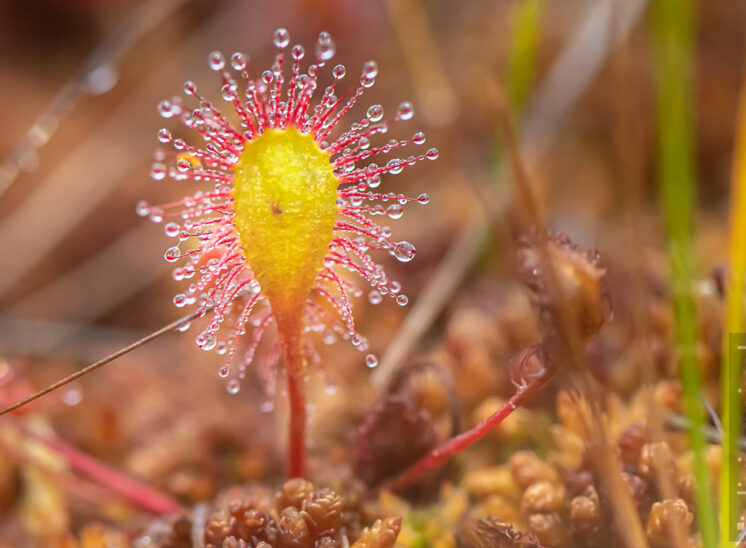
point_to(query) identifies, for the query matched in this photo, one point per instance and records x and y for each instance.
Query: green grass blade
(673, 25)
(735, 322)
(526, 23)
(521, 67)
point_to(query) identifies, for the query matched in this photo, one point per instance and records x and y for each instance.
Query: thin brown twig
(111, 357)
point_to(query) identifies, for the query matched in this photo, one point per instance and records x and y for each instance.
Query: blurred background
(81, 275)
(81, 80)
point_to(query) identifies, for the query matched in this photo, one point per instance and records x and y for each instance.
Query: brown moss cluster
(561, 498)
(296, 516)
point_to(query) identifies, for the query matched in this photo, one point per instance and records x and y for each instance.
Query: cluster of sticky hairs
(204, 224)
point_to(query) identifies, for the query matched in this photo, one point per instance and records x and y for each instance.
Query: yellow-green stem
(735, 324)
(673, 23)
(526, 22)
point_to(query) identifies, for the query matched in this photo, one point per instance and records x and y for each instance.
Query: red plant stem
(141, 495)
(297, 399)
(438, 456)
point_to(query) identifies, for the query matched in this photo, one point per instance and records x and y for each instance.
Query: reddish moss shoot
(285, 203)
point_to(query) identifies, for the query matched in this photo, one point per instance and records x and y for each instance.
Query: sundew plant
(291, 204)
(569, 373)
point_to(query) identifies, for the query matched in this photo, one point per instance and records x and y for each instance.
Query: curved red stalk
(438, 456)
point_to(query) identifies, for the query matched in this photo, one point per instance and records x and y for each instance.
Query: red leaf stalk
(438, 456)
(297, 400)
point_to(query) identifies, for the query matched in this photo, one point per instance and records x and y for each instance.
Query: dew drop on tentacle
(375, 113)
(404, 251)
(233, 386)
(367, 82)
(239, 61)
(298, 53)
(370, 69)
(281, 38)
(216, 61)
(405, 111)
(325, 47)
(172, 230)
(172, 254)
(158, 171)
(155, 214)
(142, 209)
(395, 211)
(165, 108)
(371, 361)
(209, 341)
(190, 87)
